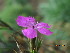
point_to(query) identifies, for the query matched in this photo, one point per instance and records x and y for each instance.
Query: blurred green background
(53, 12)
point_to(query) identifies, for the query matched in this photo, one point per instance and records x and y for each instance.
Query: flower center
(33, 27)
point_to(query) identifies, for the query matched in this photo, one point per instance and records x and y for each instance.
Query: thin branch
(18, 46)
(10, 28)
(15, 32)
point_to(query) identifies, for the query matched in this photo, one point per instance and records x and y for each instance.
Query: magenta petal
(25, 21)
(30, 33)
(41, 25)
(21, 21)
(31, 21)
(45, 31)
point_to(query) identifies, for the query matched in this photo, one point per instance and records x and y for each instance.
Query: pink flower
(32, 27)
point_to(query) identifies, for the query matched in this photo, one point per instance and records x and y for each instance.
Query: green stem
(30, 45)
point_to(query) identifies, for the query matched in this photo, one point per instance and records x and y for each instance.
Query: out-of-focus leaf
(3, 28)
